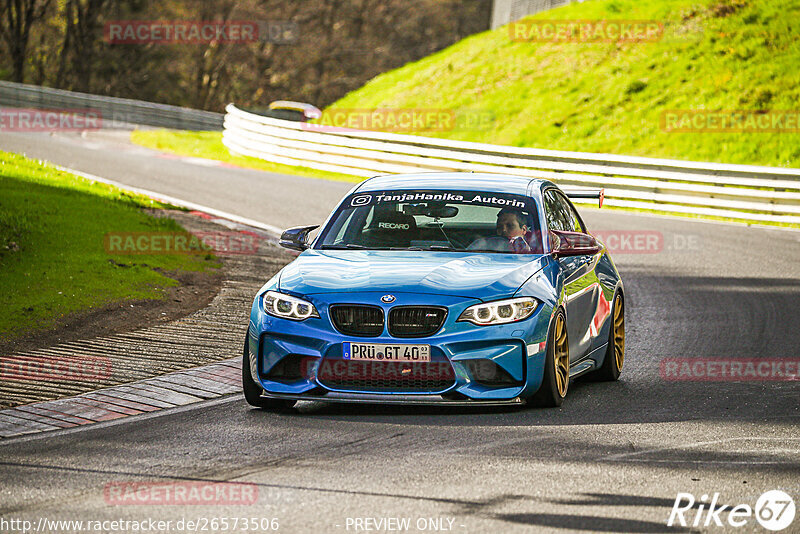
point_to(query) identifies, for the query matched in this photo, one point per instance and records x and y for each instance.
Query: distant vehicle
(449, 288)
(290, 111)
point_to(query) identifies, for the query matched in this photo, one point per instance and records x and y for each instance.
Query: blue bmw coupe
(445, 288)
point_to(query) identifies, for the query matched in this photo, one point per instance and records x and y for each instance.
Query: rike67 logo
(774, 510)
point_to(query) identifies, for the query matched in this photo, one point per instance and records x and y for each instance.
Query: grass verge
(208, 145)
(601, 97)
(52, 256)
(610, 97)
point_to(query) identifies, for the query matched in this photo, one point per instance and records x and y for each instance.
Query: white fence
(768, 194)
(505, 11)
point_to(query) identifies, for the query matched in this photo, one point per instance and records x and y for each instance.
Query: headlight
(288, 307)
(500, 312)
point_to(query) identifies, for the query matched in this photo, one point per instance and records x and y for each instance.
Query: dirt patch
(195, 292)
(728, 7)
(203, 320)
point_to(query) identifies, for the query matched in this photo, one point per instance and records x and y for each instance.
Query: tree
(78, 51)
(16, 19)
(312, 50)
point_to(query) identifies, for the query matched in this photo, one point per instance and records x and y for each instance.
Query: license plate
(375, 352)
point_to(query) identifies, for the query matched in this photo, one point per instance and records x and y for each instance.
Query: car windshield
(457, 221)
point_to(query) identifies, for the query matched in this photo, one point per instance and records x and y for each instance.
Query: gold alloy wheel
(619, 332)
(561, 356)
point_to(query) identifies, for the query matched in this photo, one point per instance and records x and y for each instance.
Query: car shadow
(589, 523)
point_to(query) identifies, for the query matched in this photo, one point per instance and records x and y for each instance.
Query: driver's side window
(557, 217)
(560, 213)
(575, 221)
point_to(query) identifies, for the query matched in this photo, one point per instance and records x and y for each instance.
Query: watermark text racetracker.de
(222, 242)
(66, 120)
(401, 120)
(730, 121)
(210, 525)
(62, 369)
(586, 31)
(182, 493)
(729, 369)
(646, 241)
(49, 120)
(167, 32)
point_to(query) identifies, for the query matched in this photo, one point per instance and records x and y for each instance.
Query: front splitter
(420, 400)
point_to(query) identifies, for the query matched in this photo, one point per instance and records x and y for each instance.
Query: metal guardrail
(769, 194)
(114, 112)
(505, 11)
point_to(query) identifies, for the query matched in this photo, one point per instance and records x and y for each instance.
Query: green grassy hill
(53, 261)
(610, 96)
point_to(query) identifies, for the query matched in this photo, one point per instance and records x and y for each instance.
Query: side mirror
(296, 238)
(573, 244)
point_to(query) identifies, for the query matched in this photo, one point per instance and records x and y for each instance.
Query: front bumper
(492, 364)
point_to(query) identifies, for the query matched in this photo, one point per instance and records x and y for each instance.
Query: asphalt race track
(612, 459)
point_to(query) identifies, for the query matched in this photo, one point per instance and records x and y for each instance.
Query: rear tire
(555, 380)
(252, 391)
(615, 352)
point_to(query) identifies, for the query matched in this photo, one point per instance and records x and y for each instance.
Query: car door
(580, 282)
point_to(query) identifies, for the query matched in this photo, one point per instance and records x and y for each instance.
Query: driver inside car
(513, 232)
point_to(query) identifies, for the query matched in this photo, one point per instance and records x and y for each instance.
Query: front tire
(252, 391)
(555, 380)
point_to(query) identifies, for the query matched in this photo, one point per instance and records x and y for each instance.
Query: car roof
(454, 181)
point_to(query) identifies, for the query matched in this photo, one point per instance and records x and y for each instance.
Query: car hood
(474, 275)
